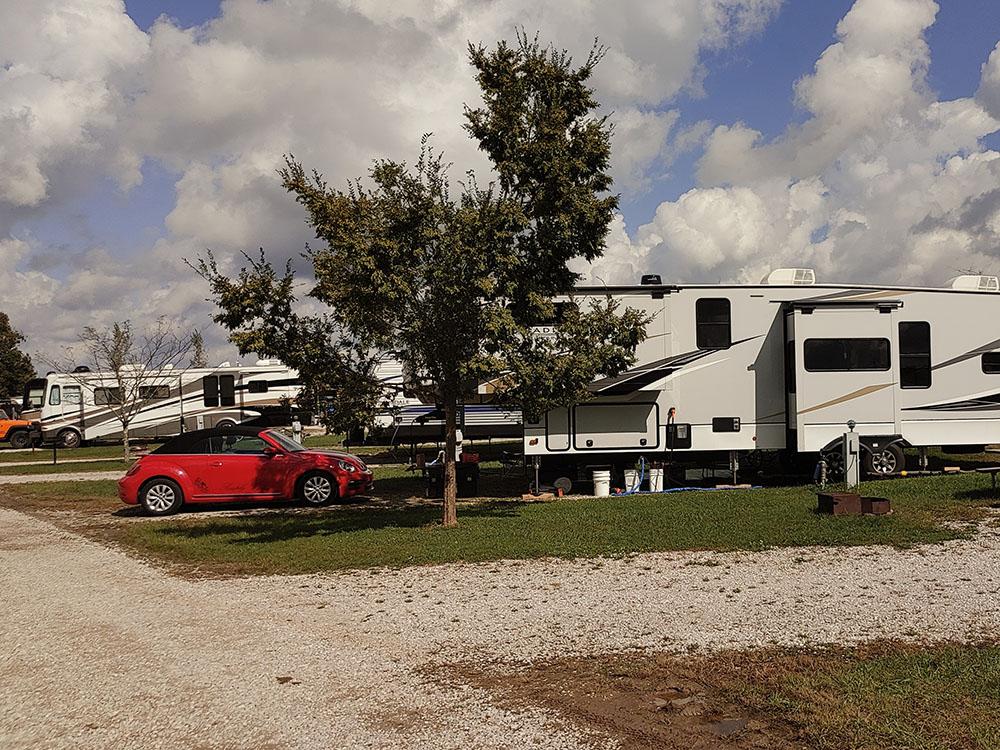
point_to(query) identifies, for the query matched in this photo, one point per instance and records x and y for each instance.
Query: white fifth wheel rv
(72, 408)
(785, 366)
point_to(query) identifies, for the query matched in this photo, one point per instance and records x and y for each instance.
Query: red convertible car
(234, 464)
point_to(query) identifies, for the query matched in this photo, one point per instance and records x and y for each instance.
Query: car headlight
(346, 466)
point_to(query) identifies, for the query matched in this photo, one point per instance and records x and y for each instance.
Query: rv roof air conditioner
(976, 283)
(790, 277)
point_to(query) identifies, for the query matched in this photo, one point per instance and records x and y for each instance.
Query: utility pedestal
(852, 458)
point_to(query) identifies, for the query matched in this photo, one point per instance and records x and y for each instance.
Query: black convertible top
(185, 442)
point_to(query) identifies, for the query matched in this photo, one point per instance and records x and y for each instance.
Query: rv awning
(808, 305)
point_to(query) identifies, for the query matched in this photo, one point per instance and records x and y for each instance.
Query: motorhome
(788, 365)
(73, 408)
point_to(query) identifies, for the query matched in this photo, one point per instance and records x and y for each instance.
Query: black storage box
(466, 475)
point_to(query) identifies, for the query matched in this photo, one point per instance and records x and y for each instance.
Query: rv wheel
(69, 439)
(227, 423)
(834, 464)
(885, 461)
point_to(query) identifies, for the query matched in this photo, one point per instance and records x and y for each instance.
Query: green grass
(45, 454)
(881, 697)
(360, 537)
(62, 468)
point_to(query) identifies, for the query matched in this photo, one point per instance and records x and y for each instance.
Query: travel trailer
(788, 365)
(73, 408)
(403, 418)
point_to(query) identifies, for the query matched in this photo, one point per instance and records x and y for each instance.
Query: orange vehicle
(20, 433)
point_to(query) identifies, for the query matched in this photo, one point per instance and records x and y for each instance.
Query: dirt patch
(887, 695)
(642, 702)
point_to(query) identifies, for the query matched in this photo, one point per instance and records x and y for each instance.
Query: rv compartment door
(615, 426)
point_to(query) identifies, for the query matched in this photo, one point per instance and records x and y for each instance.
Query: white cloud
(84, 93)
(881, 183)
(61, 66)
(989, 87)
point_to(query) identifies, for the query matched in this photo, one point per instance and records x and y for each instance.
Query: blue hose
(642, 473)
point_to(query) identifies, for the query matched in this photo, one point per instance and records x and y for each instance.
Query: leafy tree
(127, 365)
(258, 308)
(198, 356)
(454, 286)
(15, 366)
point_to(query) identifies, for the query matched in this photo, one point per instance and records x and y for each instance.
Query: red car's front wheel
(161, 496)
(318, 488)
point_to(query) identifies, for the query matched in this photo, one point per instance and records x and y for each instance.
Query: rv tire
(225, 423)
(69, 439)
(20, 439)
(882, 462)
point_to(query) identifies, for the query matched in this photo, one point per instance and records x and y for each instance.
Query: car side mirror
(270, 451)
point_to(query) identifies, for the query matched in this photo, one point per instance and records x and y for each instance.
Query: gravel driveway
(100, 650)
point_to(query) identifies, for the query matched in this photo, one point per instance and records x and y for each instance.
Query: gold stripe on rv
(847, 397)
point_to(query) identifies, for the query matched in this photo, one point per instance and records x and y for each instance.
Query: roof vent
(268, 362)
(650, 279)
(225, 364)
(790, 277)
(972, 283)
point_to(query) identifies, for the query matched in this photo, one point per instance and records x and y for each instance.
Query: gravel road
(100, 650)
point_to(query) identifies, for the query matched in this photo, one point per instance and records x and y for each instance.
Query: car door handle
(216, 463)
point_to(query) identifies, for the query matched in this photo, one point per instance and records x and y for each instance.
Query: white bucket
(631, 480)
(656, 480)
(602, 483)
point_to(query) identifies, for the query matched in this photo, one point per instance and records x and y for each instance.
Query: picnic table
(992, 471)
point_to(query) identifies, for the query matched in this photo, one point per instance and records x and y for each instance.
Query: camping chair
(511, 463)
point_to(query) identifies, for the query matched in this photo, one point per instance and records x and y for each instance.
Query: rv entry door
(844, 369)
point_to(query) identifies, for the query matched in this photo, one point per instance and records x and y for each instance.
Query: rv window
(34, 395)
(106, 396)
(55, 396)
(712, 324)
(915, 355)
(257, 386)
(846, 355)
(71, 394)
(220, 390)
(227, 390)
(210, 386)
(154, 391)
(991, 363)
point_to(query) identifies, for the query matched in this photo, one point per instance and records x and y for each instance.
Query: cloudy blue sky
(858, 138)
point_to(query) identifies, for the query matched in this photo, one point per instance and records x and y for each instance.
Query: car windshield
(285, 442)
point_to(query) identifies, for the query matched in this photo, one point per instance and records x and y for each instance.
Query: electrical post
(852, 456)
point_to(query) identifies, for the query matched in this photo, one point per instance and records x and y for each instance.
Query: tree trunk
(450, 480)
(128, 451)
